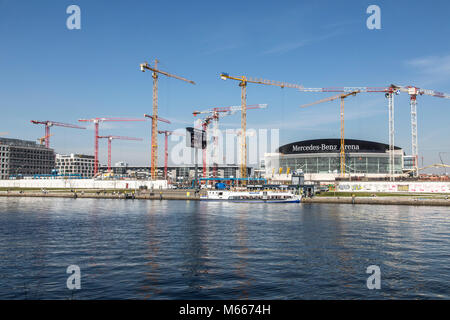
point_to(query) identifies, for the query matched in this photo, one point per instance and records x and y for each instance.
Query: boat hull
(253, 201)
(252, 196)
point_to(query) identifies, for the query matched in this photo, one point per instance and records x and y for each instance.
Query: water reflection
(195, 249)
(38, 256)
(242, 255)
(342, 252)
(150, 287)
(95, 246)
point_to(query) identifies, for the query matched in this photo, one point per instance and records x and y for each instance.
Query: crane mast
(166, 134)
(243, 86)
(110, 138)
(390, 98)
(154, 156)
(154, 140)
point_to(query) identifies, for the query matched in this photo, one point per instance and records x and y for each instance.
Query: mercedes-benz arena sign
(333, 146)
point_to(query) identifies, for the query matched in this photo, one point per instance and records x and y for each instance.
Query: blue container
(220, 186)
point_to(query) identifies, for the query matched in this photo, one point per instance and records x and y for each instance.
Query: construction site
(337, 163)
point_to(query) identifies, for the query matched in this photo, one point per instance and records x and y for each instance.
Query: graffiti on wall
(425, 187)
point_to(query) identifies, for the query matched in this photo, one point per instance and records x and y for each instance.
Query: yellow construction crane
(341, 96)
(42, 139)
(154, 147)
(243, 80)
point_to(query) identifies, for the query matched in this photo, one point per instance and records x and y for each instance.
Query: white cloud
(221, 48)
(286, 47)
(434, 68)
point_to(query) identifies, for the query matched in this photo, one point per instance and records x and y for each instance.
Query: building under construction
(22, 157)
(75, 164)
(176, 174)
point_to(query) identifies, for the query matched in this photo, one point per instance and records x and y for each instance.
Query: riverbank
(189, 194)
(106, 194)
(390, 200)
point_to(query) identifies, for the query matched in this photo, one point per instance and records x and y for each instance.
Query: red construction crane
(214, 115)
(155, 72)
(153, 148)
(389, 93)
(96, 122)
(166, 146)
(49, 124)
(110, 138)
(413, 93)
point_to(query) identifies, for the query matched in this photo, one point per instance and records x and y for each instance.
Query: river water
(135, 249)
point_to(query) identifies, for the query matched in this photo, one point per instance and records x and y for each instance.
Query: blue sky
(48, 72)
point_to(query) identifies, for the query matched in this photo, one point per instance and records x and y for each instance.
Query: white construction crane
(389, 92)
(413, 93)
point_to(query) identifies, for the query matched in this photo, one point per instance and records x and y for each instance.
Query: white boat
(265, 196)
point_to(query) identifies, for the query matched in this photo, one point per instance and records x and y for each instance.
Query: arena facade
(319, 159)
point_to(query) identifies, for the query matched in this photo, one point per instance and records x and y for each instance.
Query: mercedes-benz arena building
(320, 160)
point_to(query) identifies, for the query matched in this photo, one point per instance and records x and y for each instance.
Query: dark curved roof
(333, 146)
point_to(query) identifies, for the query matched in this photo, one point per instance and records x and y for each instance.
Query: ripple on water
(197, 250)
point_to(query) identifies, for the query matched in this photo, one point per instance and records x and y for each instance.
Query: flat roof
(333, 146)
(21, 143)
